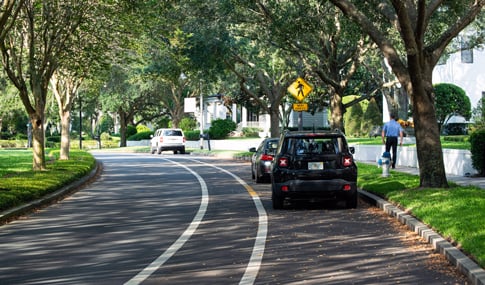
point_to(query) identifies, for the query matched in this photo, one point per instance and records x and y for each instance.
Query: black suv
(314, 166)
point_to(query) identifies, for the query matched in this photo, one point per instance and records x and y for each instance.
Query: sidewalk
(460, 180)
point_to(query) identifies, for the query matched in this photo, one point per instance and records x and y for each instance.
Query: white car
(168, 139)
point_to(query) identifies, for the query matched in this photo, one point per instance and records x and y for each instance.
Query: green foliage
(142, 128)
(451, 99)
(353, 120)
(55, 139)
(106, 124)
(105, 136)
(192, 135)
(145, 135)
(221, 128)
(372, 117)
(462, 138)
(188, 124)
(251, 132)
(477, 142)
(479, 114)
(130, 130)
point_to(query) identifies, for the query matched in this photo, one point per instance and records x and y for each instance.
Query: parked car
(168, 139)
(262, 158)
(314, 166)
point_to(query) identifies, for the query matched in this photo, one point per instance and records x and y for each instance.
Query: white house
(465, 69)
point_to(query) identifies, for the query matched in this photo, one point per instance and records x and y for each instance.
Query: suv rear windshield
(172, 133)
(314, 145)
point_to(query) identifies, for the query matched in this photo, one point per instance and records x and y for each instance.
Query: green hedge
(221, 128)
(145, 135)
(251, 132)
(192, 135)
(477, 142)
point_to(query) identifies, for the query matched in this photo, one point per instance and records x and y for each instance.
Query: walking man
(390, 132)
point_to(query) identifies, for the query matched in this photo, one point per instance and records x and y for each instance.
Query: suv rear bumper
(315, 189)
(171, 147)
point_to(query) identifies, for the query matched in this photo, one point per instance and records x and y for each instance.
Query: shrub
(372, 117)
(477, 142)
(251, 132)
(353, 120)
(192, 135)
(188, 124)
(141, 136)
(54, 139)
(142, 128)
(221, 128)
(461, 138)
(106, 124)
(105, 136)
(130, 130)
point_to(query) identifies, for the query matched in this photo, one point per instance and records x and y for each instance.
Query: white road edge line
(256, 259)
(157, 263)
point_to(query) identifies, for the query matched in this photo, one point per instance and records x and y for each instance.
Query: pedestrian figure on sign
(300, 89)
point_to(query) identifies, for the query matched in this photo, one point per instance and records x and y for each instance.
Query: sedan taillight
(266, 157)
(347, 161)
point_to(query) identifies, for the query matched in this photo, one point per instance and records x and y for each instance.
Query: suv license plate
(315, 165)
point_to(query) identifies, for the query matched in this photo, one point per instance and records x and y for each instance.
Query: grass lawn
(19, 184)
(457, 213)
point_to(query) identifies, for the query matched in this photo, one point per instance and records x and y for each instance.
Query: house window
(466, 53)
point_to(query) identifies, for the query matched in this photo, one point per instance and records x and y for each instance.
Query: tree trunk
(38, 149)
(123, 124)
(274, 118)
(337, 113)
(65, 137)
(428, 145)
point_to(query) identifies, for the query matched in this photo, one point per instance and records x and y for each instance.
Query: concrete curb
(463, 263)
(11, 214)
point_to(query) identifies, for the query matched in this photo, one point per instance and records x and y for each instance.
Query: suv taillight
(184, 139)
(347, 160)
(283, 162)
(161, 139)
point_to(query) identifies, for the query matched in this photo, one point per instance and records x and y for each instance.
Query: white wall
(457, 161)
(469, 76)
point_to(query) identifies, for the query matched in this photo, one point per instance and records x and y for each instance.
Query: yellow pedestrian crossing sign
(299, 89)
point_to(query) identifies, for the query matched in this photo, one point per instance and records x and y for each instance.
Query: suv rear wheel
(277, 201)
(351, 202)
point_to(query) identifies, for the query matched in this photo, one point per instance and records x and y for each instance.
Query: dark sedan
(262, 159)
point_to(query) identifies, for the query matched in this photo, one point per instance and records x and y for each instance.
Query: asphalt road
(180, 219)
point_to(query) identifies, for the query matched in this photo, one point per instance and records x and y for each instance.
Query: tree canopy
(451, 100)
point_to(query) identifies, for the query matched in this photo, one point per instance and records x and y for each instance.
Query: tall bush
(372, 117)
(477, 142)
(130, 130)
(221, 128)
(188, 124)
(353, 120)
